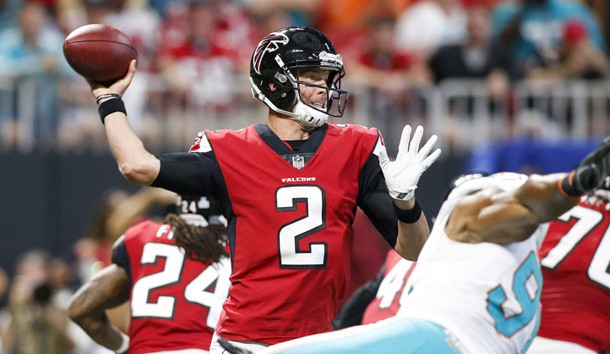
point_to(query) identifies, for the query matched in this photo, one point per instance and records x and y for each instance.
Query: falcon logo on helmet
(270, 43)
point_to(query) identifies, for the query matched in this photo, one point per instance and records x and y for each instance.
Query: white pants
(396, 335)
(183, 351)
(542, 345)
(215, 348)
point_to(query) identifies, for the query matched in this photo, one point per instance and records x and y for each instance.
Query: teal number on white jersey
(526, 289)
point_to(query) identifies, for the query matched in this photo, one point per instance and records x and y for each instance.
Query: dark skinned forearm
(106, 289)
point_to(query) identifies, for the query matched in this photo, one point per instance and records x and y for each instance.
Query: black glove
(593, 169)
(591, 172)
(231, 349)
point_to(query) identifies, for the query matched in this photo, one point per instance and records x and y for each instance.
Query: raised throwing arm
(136, 164)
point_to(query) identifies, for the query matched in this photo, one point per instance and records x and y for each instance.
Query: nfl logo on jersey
(298, 161)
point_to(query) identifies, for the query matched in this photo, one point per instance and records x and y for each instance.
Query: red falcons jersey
(387, 301)
(291, 233)
(175, 301)
(575, 259)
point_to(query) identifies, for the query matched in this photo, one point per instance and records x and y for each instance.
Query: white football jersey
(487, 294)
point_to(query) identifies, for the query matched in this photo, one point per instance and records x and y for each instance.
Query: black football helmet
(200, 210)
(277, 60)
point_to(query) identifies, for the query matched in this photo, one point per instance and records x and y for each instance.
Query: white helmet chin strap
(308, 117)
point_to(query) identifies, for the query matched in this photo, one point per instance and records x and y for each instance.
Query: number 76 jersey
(175, 301)
(575, 259)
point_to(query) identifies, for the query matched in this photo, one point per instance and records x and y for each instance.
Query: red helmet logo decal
(270, 43)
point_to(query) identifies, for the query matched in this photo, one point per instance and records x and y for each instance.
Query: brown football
(99, 53)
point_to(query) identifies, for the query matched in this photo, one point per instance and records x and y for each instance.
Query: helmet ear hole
(284, 98)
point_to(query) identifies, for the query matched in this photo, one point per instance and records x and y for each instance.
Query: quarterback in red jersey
(176, 292)
(575, 256)
(316, 266)
(289, 189)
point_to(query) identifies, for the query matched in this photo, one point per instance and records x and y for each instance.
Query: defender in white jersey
(487, 294)
(476, 287)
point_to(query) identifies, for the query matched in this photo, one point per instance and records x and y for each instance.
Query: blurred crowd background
(497, 69)
(517, 85)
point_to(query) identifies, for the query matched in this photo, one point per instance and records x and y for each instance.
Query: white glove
(402, 174)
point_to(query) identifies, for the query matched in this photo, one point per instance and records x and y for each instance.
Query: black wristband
(567, 187)
(109, 107)
(408, 216)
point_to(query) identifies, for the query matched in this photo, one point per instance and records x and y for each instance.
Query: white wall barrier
(461, 112)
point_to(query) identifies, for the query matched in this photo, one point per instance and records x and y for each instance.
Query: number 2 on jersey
(196, 291)
(291, 256)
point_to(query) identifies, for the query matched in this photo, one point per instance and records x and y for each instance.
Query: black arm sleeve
(190, 174)
(352, 312)
(375, 201)
(120, 256)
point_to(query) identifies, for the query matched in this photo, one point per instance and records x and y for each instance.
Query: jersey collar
(310, 146)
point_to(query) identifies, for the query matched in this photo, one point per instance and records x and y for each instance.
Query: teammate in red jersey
(289, 188)
(575, 256)
(176, 293)
(387, 301)
(380, 297)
